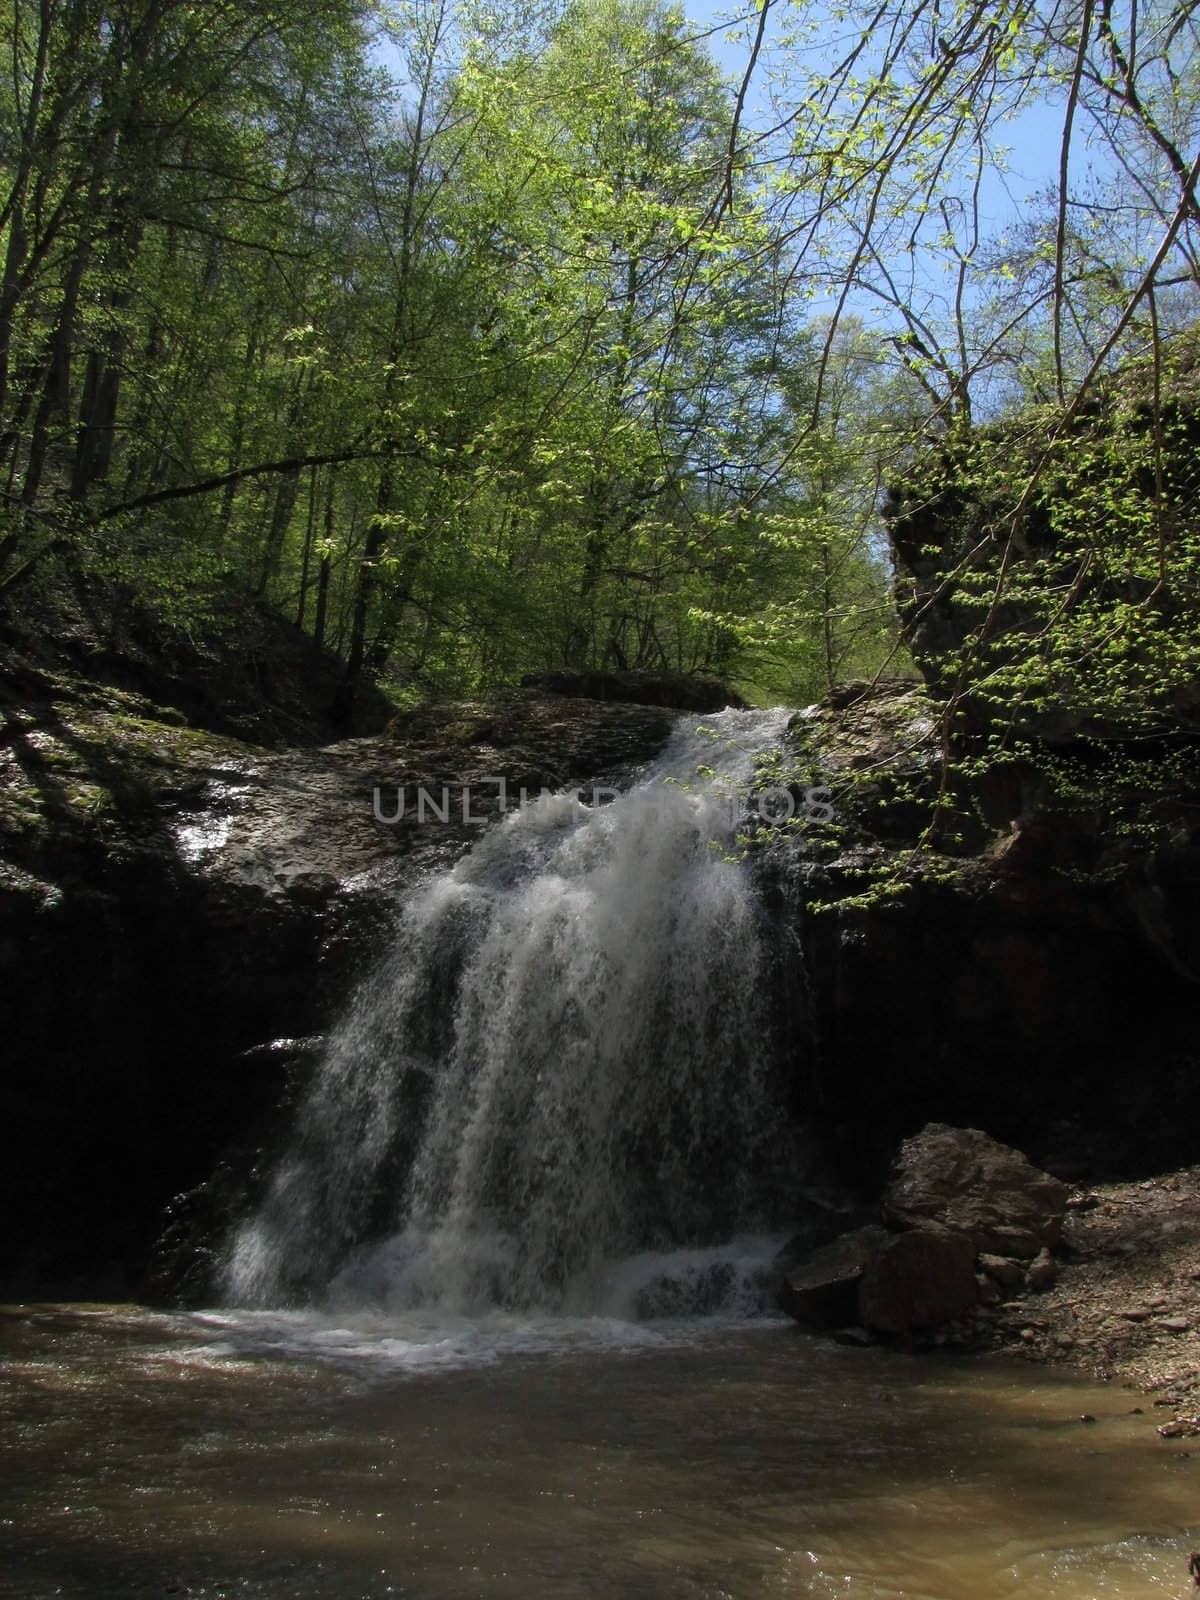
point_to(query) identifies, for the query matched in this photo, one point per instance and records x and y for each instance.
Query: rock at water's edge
(819, 1288)
(918, 1281)
(965, 1180)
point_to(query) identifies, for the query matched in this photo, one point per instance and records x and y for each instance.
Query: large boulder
(967, 1181)
(918, 1281)
(819, 1288)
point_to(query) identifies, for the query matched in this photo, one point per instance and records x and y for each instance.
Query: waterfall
(564, 1060)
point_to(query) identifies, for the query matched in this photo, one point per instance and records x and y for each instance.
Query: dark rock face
(965, 1181)
(1033, 980)
(819, 1288)
(679, 690)
(918, 1281)
(1034, 971)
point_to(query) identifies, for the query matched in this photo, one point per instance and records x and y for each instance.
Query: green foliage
(470, 372)
(482, 339)
(1068, 577)
(1055, 595)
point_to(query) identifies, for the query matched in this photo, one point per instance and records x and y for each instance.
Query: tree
(161, 147)
(635, 320)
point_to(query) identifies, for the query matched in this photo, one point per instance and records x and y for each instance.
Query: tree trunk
(281, 516)
(310, 529)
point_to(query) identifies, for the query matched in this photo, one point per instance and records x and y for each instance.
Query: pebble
(854, 1336)
(1134, 1314)
(1181, 1428)
(1174, 1324)
(1043, 1271)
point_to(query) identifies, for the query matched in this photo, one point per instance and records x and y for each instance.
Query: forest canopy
(478, 339)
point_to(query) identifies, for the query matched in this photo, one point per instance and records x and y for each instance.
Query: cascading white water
(563, 1061)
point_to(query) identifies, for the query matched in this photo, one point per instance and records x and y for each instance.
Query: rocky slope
(1121, 1300)
(1124, 1301)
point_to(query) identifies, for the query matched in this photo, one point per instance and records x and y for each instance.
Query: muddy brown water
(147, 1455)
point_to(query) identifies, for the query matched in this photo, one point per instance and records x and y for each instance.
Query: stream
(290, 1455)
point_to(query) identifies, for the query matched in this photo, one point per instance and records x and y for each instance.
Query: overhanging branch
(221, 480)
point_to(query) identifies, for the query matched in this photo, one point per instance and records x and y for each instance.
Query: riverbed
(272, 1455)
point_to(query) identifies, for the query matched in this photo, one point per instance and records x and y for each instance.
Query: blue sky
(1032, 138)
(1031, 141)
